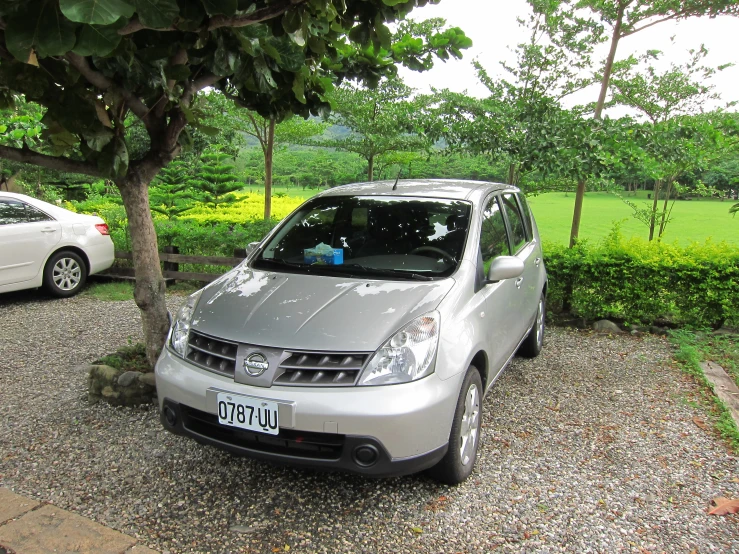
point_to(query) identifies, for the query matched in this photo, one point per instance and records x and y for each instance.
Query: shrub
(646, 282)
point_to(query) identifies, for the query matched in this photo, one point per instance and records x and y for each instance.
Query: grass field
(691, 220)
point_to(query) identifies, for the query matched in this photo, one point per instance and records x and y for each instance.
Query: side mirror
(250, 248)
(505, 267)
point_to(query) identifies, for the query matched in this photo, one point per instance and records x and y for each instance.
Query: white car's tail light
(103, 228)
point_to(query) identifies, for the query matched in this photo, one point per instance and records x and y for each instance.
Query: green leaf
(265, 80)
(113, 160)
(291, 56)
(299, 88)
(98, 40)
(96, 12)
(221, 7)
(39, 26)
(207, 129)
(292, 20)
(177, 72)
(3, 128)
(157, 14)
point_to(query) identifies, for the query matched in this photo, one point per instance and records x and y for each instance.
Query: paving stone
(13, 505)
(52, 530)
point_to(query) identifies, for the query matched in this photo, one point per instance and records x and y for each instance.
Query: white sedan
(45, 245)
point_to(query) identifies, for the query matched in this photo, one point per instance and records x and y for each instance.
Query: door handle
(518, 282)
(537, 261)
(48, 230)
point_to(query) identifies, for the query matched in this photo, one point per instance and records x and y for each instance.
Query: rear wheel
(532, 345)
(464, 438)
(65, 274)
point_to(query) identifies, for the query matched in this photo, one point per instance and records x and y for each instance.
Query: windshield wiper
(379, 272)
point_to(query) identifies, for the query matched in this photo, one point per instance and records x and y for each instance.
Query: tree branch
(26, 155)
(636, 30)
(100, 81)
(197, 85)
(218, 21)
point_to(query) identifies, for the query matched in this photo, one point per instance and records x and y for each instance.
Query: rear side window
(526, 213)
(493, 236)
(34, 214)
(12, 211)
(518, 231)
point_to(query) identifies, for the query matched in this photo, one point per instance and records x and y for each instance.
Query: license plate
(249, 413)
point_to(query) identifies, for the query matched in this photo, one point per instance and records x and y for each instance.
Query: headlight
(181, 326)
(407, 356)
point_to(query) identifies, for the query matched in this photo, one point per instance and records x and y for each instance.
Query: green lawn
(691, 220)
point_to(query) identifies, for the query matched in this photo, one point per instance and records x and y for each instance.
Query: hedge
(638, 282)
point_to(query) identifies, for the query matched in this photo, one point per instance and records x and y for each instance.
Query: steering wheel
(446, 256)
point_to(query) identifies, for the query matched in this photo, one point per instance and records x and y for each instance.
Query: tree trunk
(371, 168)
(268, 156)
(663, 222)
(655, 201)
(577, 213)
(149, 290)
(575, 231)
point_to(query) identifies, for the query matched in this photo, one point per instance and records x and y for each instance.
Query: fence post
(171, 266)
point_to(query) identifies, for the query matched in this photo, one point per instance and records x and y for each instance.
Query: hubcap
(540, 323)
(67, 274)
(469, 428)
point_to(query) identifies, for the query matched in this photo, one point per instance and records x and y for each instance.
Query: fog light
(170, 416)
(366, 455)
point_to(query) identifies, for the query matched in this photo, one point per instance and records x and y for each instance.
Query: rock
(118, 387)
(127, 379)
(606, 326)
(656, 330)
(147, 379)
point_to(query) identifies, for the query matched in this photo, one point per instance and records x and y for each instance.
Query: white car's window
(493, 234)
(518, 231)
(383, 236)
(34, 214)
(12, 211)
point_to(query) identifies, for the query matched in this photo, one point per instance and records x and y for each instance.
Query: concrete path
(31, 527)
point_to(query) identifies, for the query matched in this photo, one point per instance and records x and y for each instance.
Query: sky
(492, 26)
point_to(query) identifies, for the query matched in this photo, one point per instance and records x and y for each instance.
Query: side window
(493, 236)
(518, 232)
(12, 211)
(34, 214)
(526, 212)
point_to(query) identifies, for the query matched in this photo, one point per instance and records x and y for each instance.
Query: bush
(645, 282)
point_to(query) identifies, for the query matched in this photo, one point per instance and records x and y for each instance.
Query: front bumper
(406, 425)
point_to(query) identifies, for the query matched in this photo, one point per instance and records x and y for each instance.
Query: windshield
(371, 236)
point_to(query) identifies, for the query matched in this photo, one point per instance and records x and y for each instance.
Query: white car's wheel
(65, 274)
(464, 439)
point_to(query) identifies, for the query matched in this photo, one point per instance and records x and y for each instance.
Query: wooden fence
(172, 259)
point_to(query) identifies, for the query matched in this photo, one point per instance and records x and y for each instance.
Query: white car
(45, 245)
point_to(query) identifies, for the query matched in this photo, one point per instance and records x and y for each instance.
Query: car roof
(57, 212)
(457, 189)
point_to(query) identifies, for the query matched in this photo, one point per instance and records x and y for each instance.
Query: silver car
(363, 332)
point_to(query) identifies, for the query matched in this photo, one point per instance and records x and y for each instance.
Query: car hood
(311, 312)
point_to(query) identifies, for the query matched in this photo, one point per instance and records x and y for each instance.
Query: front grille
(211, 353)
(325, 446)
(320, 368)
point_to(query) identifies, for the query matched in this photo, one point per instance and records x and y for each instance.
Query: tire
(532, 344)
(65, 274)
(464, 439)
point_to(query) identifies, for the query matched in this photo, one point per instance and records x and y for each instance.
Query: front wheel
(65, 274)
(532, 344)
(464, 439)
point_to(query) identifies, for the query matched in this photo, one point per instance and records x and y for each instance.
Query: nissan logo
(256, 364)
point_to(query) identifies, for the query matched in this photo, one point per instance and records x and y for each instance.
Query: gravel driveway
(591, 447)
